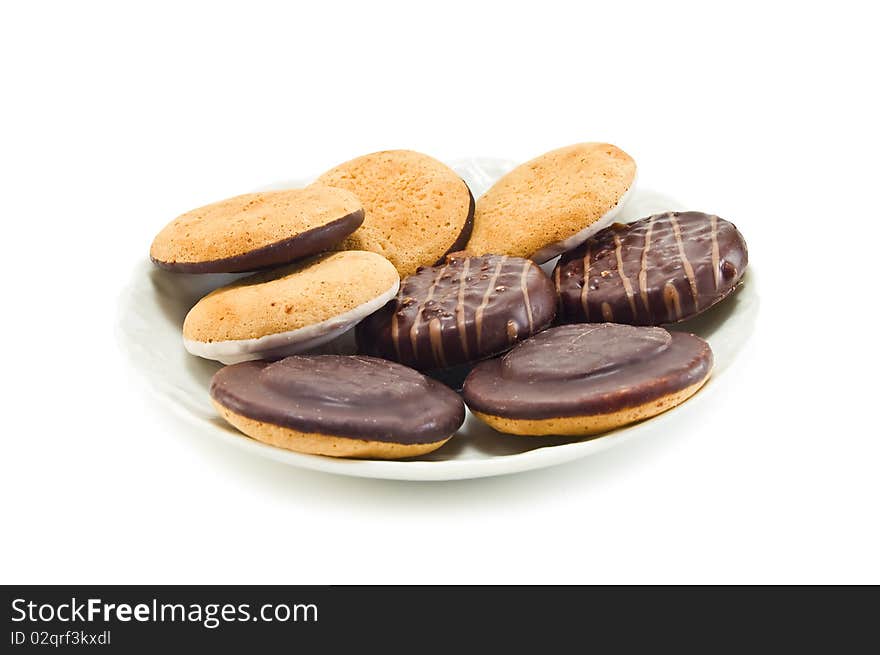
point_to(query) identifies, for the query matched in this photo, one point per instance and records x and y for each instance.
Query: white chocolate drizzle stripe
(643, 271)
(459, 310)
(478, 317)
(716, 258)
(688, 269)
(672, 300)
(627, 285)
(414, 330)
(586, 286)
(523, 282)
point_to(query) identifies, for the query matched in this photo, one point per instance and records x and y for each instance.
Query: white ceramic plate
(153, 306)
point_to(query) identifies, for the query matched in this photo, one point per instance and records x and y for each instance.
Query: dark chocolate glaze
(302, 245)
(658, 270)
(341, 395)
(465, 310)
(466, 229)
(452, 377)
(587, 369)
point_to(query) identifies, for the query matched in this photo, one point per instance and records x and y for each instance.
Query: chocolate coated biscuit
(346, 406)
(658, 270)
(587, 378)
(257, 230)
(465, 310)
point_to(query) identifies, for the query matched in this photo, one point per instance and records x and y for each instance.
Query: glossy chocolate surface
(302, 245)
(467, 309)
(658, 270)
(587, 369)
(341, 395)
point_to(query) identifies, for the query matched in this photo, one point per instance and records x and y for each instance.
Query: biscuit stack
(440, 287)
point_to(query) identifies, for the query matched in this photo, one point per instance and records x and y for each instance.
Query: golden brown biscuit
(257, 230)
(552, 203)
(316, 443)
(291, 309)
(588, 425)
(417, 209)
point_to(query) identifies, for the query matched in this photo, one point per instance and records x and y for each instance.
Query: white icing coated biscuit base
(282, 344)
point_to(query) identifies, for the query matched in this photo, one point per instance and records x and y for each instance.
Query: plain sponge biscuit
(416, 209)
(290, 298)
(257, 230)
(542, 204)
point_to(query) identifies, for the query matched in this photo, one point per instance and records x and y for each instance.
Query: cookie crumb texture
(232, 228)
(415, 207)
(291, 297)
(465, 310)
(550, 199)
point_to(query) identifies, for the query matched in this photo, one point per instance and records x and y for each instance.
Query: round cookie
(257, 230)
(467, 309)
(289, 310)
(587, 378)
(338, 405)
(417, 209)
(553, 202)
(661, 269)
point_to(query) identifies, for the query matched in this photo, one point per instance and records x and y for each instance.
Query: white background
(115, 120)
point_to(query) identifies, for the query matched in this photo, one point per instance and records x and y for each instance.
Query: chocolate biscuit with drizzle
(659, 270)
(462, 311)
